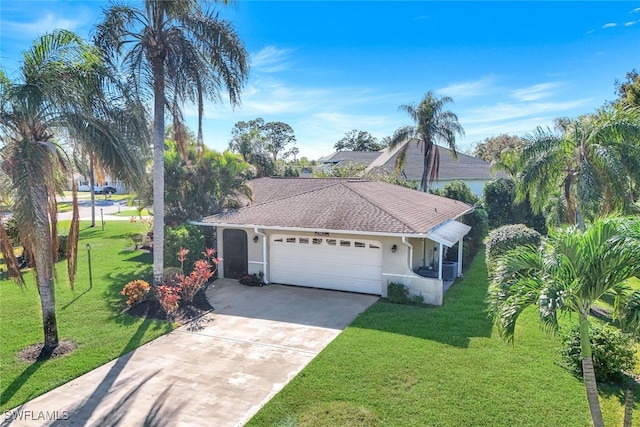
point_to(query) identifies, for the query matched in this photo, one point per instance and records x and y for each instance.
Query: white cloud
(630, 23)
(469, 88)
(504, 111)
(636, 10)
(535, 92)
(47, 23)
(271, 59)
(610, 25)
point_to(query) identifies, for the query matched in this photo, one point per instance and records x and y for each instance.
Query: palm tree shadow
(83, 412)
(17, 383)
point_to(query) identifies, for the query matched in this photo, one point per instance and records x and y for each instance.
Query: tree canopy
(358, 140)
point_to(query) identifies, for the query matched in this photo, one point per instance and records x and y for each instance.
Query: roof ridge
(379, 207)
(330, 184)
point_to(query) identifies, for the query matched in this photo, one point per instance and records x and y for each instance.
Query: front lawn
(88, 315)
(409, 366)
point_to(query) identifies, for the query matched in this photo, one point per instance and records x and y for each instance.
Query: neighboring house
(347, 158)
(473, 171)
(345, 234)
(106, 181)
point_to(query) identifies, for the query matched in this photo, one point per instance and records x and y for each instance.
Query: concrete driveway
(219, 372)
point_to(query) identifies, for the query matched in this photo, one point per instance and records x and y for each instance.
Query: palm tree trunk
(588, 373)
(424, 183)
(41, 245)
(158, 171)
(628, 408)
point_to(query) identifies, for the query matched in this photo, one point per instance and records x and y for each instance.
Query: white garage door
(353, 265)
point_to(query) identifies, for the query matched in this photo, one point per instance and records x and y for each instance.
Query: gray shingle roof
(464, 167)
(341, 204)
(353, 157)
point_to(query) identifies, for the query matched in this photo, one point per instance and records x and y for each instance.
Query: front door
(234, 247)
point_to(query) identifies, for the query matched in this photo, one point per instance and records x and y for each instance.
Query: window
(331, 242)
(278, 240)
(291, 239)
(373, 246)
(317, 241)
(359, 245)
(303, 240)
(345, 243)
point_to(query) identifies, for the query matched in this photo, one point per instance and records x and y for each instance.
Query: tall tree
(358, 140)
(570, 272)
(260, 143)
(432, 124)
(628, 91)
(61, 91)
(175, 52)
(594, 162)
(491, 148)
(279, 137)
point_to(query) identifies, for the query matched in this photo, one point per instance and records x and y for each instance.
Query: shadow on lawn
(462, 316)
(20, 380)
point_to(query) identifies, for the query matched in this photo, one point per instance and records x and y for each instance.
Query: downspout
(264, 255)
(410, 260)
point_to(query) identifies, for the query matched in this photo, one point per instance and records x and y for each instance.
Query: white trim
(404, 275)
(256, 262)
(265, 264)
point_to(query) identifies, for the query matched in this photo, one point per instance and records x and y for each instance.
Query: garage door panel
(327, 263)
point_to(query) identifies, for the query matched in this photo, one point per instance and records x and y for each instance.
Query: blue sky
(328, 67)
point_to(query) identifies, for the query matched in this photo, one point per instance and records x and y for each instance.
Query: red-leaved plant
(203, 270)
(169, 297)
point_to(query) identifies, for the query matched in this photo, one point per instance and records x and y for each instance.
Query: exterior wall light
(394, 248)
(255, 239)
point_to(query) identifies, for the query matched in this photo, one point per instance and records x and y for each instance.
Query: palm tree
(570, 272)
(594, 163)
(432, 124)
(174, 51)
(61, 92)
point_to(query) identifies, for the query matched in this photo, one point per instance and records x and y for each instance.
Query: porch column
(440, 261)
(459, 257)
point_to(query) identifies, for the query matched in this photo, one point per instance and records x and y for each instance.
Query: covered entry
(346, 264)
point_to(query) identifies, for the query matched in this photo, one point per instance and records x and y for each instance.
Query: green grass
(409, 366)
(89, 315)
(133, 212)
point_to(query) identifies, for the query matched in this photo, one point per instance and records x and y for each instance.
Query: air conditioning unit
(449, 271)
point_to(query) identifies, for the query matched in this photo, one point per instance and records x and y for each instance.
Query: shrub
(171, 276)
(499, 200)
(477, 219)
(613, 352)
(63, 244)
(135, 291)
(506, 238)
(499, 196)
(169, 297)
(397, 293)
(252, 280)
(183, 236)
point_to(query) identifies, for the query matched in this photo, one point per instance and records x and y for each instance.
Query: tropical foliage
(592, 166)
(432, 124)
(63, 90)
(202, 183)
(173, 52)
(569, 272)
